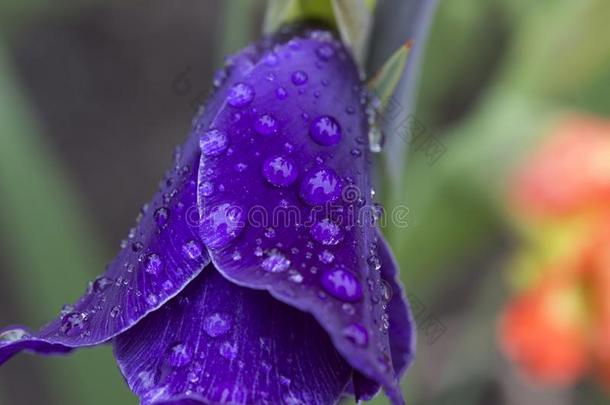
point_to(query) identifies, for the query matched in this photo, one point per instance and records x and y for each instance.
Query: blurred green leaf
(384, 83)
(50, 245)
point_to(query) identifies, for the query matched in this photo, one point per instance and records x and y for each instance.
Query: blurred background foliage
(89, 116)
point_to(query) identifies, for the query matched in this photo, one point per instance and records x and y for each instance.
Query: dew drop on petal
(217, 324)
(100, 284)
(326, 232)
(276, 262)
(325, 52)
(222, 224)
(280, 171)
(74, 323)
(266, 124)
(299, 78)
(213, 142)
(192, 249)
(240, 95)
(325, 130)
(326, 257)
(179, 355)
(206, 188)
(357, 334)
(281, 93)
(321, 186)
(154, 264)
(228, 350)
(161, 216)
(341, 284)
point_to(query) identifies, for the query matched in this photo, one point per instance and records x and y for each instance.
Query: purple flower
(256, 274)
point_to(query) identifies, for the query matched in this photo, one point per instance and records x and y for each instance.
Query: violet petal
(258, 223)
(217, 342)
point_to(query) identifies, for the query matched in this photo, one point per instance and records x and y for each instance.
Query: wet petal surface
(305, 231)
(217, 342)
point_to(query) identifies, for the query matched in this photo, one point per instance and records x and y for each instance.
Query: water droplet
(299, 78)
(179, 355)
(280, 171)
(115, 311)
(266, 124)
(213, 142)
(240, 167)
(321, 186)
(374, 262)
(240, 95)
(276, 262)
(270, 233)
(137, 246)
(100, 284)
(325, 52)
(154, 264)
(74, 323)
(192, 249)
(356, 152)
(206, 188)
(341, 284)
(357, 334)
(222, 224)
(161, 216)
(13, 335)
(217, 324)
(258, 251)
(326, 257)
(386, 290)
(228, 350)
(152, 300)
(375, 139)
(325, 130)
(326, 232)
(281, 93)
(295, 276)
(271, 59)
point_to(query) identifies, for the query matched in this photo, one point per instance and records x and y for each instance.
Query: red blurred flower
(557, 327)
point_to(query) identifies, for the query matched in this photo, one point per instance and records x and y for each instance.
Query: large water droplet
(217, 324)
(326, 232)
(213, 142)
(222, 224)
(321, 186)
(357, 334)
(299, 78)
(179, 355)
(325, 130)
(280, 171)
(275, 263)
(266, 124)
(74, 323)
(341, 284)
(240, 95)
(154, 264)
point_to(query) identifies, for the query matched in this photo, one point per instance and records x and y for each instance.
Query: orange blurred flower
(557, 327)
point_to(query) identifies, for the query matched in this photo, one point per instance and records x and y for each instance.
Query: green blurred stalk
(51, 248)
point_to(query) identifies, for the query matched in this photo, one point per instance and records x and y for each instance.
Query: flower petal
(288, 204)
(402, 325)
(162, 254)
(220, 343)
